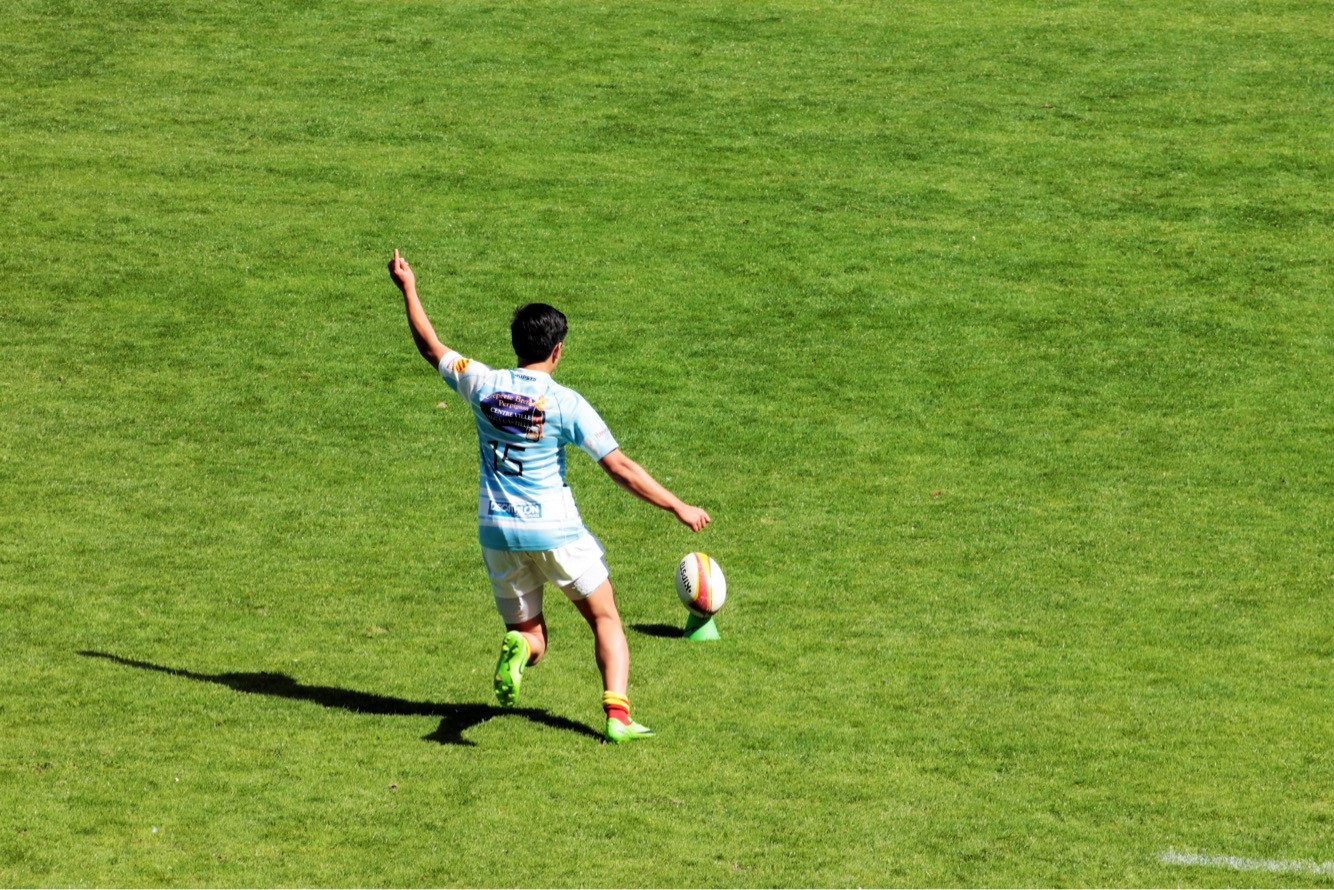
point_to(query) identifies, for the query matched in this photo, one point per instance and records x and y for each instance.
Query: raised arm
(636, 480)
(422, 333)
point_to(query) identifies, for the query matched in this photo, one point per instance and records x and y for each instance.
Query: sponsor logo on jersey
(461, 365)
(515, 413)
(517, 511)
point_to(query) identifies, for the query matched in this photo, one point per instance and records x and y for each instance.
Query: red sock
(617, 707)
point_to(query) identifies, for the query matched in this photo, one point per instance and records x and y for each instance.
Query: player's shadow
(454, 719)
(668, 631)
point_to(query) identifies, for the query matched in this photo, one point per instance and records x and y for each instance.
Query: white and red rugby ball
(700, 584)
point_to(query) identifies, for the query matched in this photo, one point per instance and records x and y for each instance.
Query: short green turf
(996, 337)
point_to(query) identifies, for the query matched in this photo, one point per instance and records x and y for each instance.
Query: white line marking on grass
(1238, 863)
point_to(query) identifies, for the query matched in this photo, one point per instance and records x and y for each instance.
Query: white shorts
(517, 576)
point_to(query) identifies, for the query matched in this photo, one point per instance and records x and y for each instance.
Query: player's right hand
(694, 517)
(401, 272)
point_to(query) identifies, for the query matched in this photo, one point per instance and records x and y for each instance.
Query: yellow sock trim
(615, 698)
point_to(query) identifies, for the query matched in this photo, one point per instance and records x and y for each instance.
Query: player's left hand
(401, 272)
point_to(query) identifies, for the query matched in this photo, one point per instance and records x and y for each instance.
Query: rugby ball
(700, 584)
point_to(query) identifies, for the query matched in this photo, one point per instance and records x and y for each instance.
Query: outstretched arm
(636, 480)
(422, 333)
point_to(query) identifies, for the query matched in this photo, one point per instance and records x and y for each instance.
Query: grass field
(997, 338)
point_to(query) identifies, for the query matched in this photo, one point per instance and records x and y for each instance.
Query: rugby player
(529, 528)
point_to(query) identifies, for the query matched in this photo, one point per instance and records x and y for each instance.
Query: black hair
(535, 330)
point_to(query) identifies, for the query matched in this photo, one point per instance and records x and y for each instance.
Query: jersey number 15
(502, 462)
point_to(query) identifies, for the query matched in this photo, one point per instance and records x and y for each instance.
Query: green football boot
(618, 732)
(509, 669)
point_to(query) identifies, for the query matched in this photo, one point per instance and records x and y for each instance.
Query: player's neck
(547, 365)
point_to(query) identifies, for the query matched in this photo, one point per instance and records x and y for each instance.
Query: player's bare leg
(613, 658)
(609, 645)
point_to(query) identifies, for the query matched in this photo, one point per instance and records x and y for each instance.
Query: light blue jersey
(524, 421)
